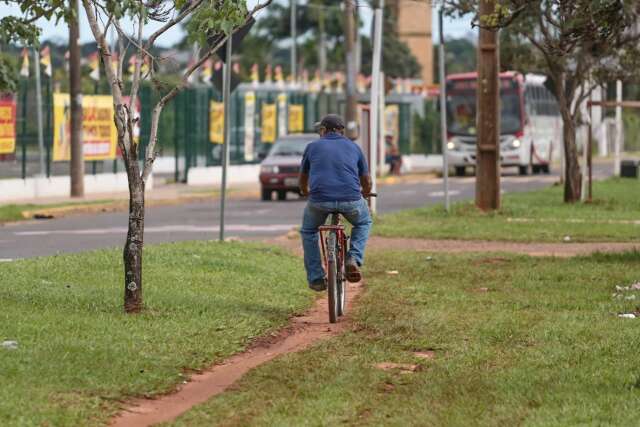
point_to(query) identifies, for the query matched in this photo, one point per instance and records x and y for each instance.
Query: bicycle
(334, 243)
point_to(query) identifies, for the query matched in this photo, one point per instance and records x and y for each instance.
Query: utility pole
(488, 120)
(352, 102)
(75, 91)
(294, 37)
(443, 111)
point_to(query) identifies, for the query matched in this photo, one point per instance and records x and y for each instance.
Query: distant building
(414, 28)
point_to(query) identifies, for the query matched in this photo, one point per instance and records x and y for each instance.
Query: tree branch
(121, 111)
(135, 85)
(194, 4)
(150, 154)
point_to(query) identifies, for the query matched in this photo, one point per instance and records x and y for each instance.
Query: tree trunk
(573, 176)
(75, 91)
(132, 253)
(488, 120)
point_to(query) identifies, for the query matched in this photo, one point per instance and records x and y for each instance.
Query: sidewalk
(160, 195)
(160, 192)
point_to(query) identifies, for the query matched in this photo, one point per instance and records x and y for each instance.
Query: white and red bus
(531, 127)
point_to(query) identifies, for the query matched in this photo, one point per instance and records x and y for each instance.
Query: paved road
(246, 219)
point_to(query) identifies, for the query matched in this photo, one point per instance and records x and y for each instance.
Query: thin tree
(581, 43)
(214, 19)
(210, 22)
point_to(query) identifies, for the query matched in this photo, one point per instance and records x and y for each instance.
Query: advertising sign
(7, 125)
(269, 123)
(216, 122)
(98, 129)
(296, 118)
(249, 128)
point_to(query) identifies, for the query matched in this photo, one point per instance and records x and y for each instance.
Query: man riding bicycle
(335, 176)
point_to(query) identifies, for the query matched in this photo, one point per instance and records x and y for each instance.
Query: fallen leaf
(388, 387)
(389, 366)
(429, 354)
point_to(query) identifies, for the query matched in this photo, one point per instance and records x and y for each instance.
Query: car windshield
(290, 147)
(461, 113)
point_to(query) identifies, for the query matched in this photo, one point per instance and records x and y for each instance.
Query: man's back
(334, 165)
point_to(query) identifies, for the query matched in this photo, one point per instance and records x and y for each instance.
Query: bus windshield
(461, 112)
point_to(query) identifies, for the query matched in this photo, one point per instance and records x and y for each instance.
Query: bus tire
(523, 170)
(545, 169)
(461, 171)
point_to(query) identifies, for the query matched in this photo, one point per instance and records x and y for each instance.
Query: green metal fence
(184, 127)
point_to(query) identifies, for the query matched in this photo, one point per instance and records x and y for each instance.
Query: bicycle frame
(329, 236)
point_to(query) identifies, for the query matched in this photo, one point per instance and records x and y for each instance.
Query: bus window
(461, 110)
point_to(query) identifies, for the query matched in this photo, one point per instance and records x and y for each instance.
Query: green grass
(13, 212)
(543, 347)
(79, 355)
(533, 216)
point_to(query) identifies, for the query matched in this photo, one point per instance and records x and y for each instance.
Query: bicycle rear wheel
(341, 285)
(334, 296)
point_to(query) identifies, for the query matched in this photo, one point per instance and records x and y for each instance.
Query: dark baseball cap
(332, 122)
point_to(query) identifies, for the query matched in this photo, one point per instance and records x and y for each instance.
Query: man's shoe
(353, 271)
(318, 285)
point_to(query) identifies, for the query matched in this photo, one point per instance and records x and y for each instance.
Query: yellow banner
(7, 126)
(296, 118)
(216, 122)
(98, 129)
(269, 123)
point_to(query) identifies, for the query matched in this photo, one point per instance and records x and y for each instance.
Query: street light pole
(294, 37)
(322, 50)
(352, 102)
(443, 111)
(374, 108)
(618, 141)
(226, 99)
(43, 170)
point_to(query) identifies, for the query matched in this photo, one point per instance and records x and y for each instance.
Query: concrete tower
(414, 28)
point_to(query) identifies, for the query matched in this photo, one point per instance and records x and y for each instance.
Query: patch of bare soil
(532, 249)
(301, 332)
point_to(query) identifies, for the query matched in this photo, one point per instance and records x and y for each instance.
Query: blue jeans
(315, 215)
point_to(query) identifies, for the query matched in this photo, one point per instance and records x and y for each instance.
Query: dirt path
(292, 242)
(533, 249)
(302, 332)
